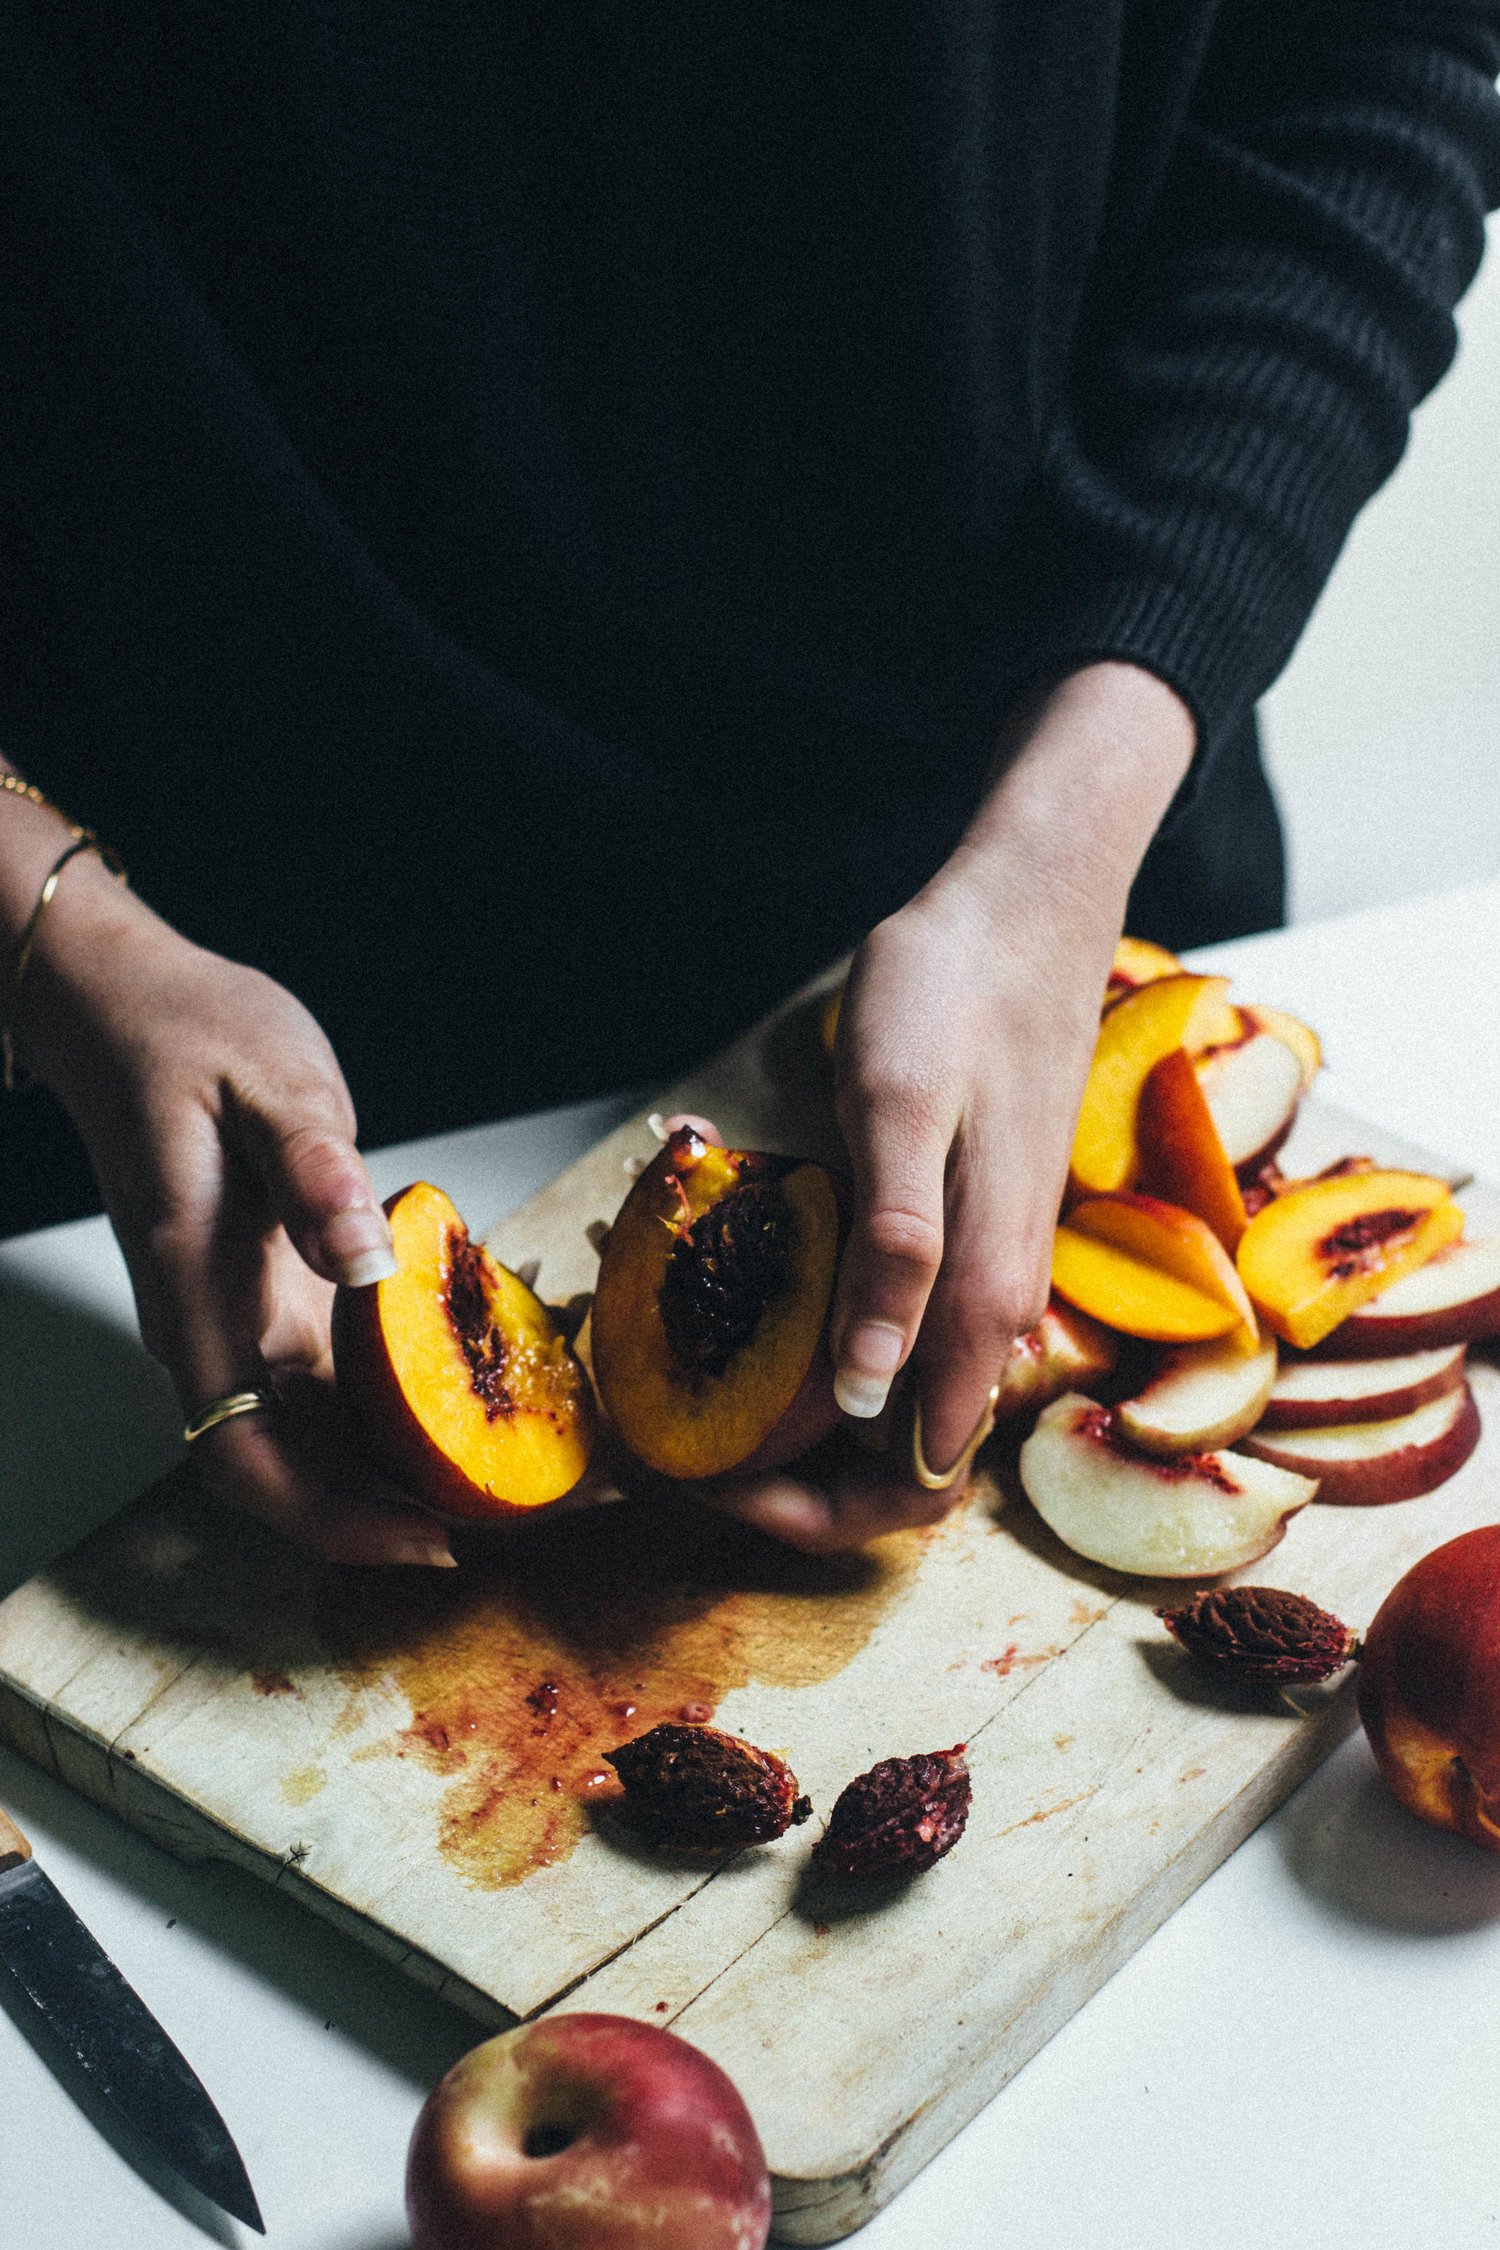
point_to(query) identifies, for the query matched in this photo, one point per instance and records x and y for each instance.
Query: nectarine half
(709, 1313)
(461, 1380)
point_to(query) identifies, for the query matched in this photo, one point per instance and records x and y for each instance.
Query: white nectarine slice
(1252, 1090)
(1189, 1518)
(1453, 1299)
(1064, 1350)
(1202, 1395)
(1366, 1464)
(1147, 1024)
(1182, 1156)
(1294, 1033)
(1312, 1393)
(1150, 1269)
(1314, 1254)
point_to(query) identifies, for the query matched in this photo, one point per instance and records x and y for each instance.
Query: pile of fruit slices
(1319, 1326)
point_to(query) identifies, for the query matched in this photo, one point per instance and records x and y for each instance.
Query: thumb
(317, 1186)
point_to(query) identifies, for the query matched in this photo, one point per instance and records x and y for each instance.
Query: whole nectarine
(586, 2132)
(1429, 1687)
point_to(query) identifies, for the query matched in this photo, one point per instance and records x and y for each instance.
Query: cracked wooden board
(204, 1682)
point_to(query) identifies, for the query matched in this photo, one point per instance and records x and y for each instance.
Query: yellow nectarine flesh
(1150, 1270)
(1318, 1252)
(708, 1319)
(1133, 1037)
(458, 1372)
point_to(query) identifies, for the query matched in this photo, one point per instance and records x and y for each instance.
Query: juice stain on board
(549, 1647)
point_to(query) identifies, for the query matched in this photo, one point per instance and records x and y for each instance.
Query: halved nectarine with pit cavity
(460, 1377)
(709, 1313)
(1314, 1254)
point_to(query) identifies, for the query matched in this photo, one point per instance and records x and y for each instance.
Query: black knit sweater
(523, 498)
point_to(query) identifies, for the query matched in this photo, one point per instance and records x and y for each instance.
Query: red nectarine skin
(587, 2132)
(1429, 1687)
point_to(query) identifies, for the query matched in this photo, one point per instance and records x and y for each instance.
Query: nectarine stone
(461, 1379)
(708, 1320)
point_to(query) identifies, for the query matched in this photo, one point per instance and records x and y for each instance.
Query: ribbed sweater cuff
(1202, 652)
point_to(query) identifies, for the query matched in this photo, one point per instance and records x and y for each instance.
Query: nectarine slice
(458, 1373)
(1294, 1033)
(1252, 1087)
(1453, 1299)
(1310, 1393)
(1134, 1035)
(1151, 1270)
(1064, 1350)
(1367, 1464)
(1137, 961)
(1182, 1156)
(1314, 1254)
(709, 1313)
(1201, 1395)
(1194, 1517)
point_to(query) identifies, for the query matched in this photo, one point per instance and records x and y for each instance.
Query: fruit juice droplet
(629, 1615)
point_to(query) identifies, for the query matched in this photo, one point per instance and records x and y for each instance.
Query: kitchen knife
(113, 2034)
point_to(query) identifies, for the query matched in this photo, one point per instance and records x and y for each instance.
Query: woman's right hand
(221, 1131)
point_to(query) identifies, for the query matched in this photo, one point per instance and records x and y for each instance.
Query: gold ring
(930, 1479)
(225, 1409)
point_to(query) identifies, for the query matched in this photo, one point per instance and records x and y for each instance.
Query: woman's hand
(965, 1037)
(222, 1134)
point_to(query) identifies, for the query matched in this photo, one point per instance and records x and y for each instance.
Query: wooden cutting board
(417, 1754)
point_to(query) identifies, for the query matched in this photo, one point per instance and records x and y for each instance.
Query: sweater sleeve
(1245, 376)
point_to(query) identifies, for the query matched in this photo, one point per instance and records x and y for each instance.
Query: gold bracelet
(84, 840)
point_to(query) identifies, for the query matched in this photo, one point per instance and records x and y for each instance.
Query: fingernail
(867, 1368)
(358, 1244)
(433, 1552)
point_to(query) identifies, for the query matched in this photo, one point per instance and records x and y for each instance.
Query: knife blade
(112, 2033)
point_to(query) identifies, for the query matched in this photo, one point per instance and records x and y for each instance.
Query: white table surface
(1307, 2054)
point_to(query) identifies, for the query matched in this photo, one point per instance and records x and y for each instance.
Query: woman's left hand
(965, 1037)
